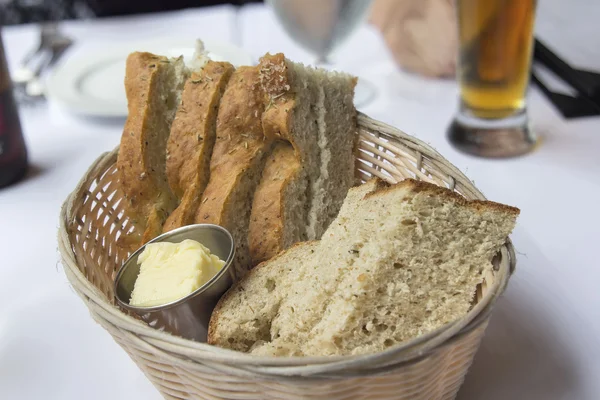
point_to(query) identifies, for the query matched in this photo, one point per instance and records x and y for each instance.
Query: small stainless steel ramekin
(189, 316)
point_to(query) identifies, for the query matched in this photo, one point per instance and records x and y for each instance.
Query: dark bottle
(13, 153)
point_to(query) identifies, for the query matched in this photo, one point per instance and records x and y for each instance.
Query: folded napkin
(584, 99)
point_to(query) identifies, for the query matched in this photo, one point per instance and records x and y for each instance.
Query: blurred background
(420, 37)
(26, 11)
(66, 61)
(420, 33)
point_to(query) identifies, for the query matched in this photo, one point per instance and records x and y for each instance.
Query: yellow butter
(170, 271)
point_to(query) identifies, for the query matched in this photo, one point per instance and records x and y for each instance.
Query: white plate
(91, 82)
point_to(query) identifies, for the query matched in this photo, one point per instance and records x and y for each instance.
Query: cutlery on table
(26, 78)
(585, 84)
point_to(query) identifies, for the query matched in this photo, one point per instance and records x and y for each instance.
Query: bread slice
(276, 219)
(280, 207)
(192, 138)
(297, 114)
(153, 85)
(237, 163)
(336, 142)
(398, 261)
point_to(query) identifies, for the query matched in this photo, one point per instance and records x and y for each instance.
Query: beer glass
(496, 40)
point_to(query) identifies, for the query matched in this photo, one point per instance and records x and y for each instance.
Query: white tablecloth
(542, 342)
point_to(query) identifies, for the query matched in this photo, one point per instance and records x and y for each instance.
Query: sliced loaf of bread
(398, 261)
(192, 138)
(153, 85)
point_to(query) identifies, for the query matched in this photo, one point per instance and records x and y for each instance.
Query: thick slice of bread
(273, 225)
(280, 207)
(398, 261)
(192, 138)
(237, 163)
(336, 141)
(153, 85)
(291, 194)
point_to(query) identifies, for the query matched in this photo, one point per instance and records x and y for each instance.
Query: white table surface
(543, 341)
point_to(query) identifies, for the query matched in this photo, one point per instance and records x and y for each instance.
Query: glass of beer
(496, 40)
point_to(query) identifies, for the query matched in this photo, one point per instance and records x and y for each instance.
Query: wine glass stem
(322, 61)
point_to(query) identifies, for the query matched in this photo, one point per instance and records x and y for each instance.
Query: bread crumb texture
(397, 262)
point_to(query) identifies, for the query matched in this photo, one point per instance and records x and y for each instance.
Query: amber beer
(13, 154)
(496, 39)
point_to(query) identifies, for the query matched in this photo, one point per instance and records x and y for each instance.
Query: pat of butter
(170, 271)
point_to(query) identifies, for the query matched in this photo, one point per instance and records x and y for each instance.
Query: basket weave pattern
(430, 367)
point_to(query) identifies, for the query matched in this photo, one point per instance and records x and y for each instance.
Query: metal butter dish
(189, 316)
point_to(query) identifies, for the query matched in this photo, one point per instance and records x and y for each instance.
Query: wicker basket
(430, 367)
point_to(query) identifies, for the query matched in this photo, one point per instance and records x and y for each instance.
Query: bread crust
(266, 234)
(421, 186)
(239, 140)
(238, 158)
(144, 186)
(192, 138)
(276, 82)
(269, 217)
(297, 112)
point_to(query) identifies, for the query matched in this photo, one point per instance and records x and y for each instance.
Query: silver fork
(26, 79)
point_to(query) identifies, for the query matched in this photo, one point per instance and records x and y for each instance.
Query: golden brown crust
(184, 213)
(421, 186)
(266, 236)
(192, 139)
(268, 218)
(137, 177)
(141, 73)
(238, 158)
(191, 129)
(153, 224)
(276, 81)
(240, 141)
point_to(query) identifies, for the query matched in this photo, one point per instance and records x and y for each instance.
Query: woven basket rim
(407, 352)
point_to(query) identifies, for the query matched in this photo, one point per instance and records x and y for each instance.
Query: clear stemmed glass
(320, 26)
